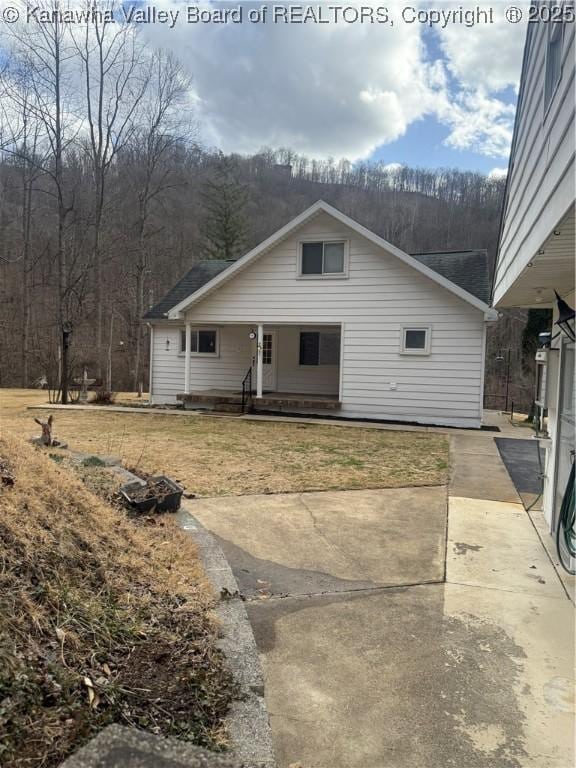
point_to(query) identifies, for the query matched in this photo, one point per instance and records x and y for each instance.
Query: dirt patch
(101, 620)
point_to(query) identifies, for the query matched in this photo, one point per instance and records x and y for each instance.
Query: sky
(401, 93)
(408, 90)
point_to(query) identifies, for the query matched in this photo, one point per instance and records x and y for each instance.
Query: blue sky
(422, 145)
(424, 142)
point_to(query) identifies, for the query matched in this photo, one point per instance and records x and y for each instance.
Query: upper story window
(323, 259)
(553, 62)
(203, 341)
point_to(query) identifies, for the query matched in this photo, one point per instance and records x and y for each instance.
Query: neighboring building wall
(541, 177)
(380, 296)
(553, 391)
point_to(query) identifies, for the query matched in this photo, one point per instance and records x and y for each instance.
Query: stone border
(247, 722)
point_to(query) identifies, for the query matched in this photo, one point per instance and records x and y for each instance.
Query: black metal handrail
(247, 391)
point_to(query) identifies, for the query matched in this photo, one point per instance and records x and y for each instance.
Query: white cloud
(478, 122)
(328, 90)
(498, 173)
(342, 90)
(392, 167)
(486, 56)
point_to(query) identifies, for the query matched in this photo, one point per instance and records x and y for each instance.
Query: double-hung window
(323, 259)
(203, 341)
(553, 62)
(319, 348)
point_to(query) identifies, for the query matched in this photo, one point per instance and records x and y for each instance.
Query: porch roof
(200, 274)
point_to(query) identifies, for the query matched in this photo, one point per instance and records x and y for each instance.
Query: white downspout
(150, 374)
(187, 360)
(259, 358)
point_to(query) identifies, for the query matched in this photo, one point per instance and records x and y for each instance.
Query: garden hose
(566, 529)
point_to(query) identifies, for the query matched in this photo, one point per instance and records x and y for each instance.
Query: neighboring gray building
(537, 244)
(330, 318)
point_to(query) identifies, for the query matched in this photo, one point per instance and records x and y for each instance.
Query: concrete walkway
(391, 639)
(491, 419)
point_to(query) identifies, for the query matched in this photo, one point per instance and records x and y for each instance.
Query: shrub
(103, 397)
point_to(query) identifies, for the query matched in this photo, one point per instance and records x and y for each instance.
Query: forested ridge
(108, 195)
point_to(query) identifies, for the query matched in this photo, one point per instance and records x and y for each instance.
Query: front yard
(227, 456)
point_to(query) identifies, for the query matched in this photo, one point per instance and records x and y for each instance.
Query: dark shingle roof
(468, 269)
(201, 273)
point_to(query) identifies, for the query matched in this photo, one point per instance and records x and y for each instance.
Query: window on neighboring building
(202, 342)
(325, 258)
(319, 348)
(553, 62)
(416, 340)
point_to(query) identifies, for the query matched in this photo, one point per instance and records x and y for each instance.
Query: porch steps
(228, 408)
(231, 402)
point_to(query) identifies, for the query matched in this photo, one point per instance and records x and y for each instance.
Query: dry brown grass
(219, 456)
(100, 620)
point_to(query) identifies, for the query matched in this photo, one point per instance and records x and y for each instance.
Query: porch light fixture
(566, 318)
(167, 345)
(252, 335)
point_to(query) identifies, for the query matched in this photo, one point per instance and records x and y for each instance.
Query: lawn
(226, 456)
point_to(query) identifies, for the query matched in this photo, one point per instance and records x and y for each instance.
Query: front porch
(234, 402)
(274, 367)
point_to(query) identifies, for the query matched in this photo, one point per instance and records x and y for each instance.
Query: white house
(327, 317)
(537, 247)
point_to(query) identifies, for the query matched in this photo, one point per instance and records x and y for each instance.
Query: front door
(269, 361)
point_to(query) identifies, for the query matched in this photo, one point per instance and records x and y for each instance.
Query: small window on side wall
(323, 259)
(415, 340)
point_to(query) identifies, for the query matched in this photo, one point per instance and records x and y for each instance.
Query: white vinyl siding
(224, 371)
(381, 296)
(541, 176)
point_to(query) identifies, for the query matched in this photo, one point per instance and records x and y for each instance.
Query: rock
(121, 747)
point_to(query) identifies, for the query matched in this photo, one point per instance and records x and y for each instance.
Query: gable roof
(416, 262)
(468, 269)
(200, 274)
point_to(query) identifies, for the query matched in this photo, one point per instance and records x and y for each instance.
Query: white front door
(269, 361)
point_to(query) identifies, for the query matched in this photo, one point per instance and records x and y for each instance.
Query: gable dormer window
(326, 258)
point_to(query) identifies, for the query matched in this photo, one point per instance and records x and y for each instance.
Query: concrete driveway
(339, 541)
(392, 638)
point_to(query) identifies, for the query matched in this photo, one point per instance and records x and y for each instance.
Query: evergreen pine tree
(224, 227)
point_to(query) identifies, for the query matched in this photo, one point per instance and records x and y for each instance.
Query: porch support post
(259, 356)
(187, 360)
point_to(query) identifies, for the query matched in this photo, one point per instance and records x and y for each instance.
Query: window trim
(549, 97)
(325, 275)
(409, 351)
(320, 331)
(216, 353)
